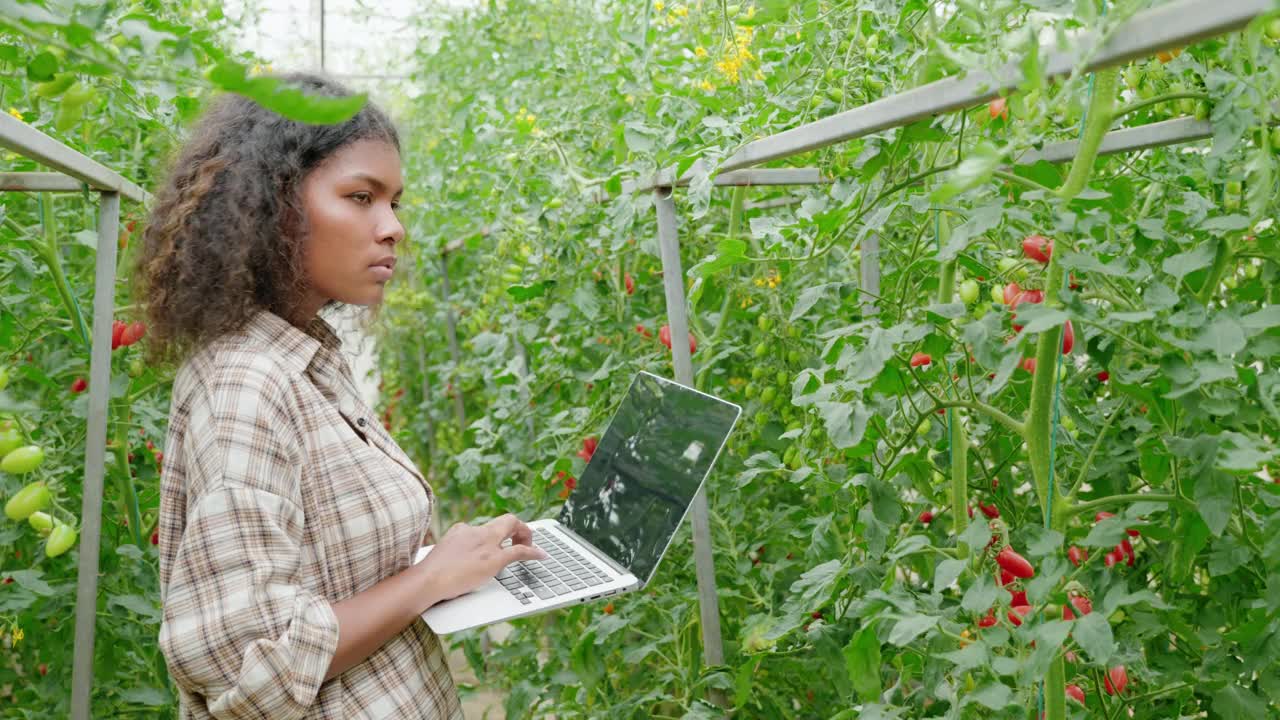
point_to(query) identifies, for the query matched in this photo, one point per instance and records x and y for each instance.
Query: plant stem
(1085, 507)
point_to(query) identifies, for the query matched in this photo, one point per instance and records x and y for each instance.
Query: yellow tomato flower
(15, 112)
(700, 51)
(659, 6)
(706, 85)
(631, 99)
(682, 11)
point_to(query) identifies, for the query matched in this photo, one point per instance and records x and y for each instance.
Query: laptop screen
(646, 470)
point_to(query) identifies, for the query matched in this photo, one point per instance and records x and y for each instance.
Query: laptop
(617, 523)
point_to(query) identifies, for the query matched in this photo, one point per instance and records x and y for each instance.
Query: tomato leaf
(862, 662)
(1093, 633)
(910, 627)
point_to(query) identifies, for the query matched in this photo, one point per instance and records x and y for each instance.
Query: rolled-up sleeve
(240, 629)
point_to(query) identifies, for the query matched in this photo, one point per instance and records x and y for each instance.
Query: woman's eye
(363, 198)
(395, 206)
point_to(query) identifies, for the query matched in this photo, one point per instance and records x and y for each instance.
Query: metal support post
(95, 455)
(870, 267)
(704, 560)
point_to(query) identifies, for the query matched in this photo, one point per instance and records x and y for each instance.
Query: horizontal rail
(31, 143)
(1173, 25)
(40, 182)
(779, 176)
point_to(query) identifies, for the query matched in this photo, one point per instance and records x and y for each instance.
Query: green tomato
(136, 367)
(836, 94)
(1275, 139)
(10, 440)
(4, 378)
(78, 94)
(969, 292)
(1234, 187)
(793, 357)
(764, 322)
(762, 349)
(758, 372)
(40, 522)
(924, 427)
(783, 377)
(749, 391)
(768, 394)
(1251, 271)
(1273, 29)
(22, 460)
(29, 499)
(554, 203)
(61, 538)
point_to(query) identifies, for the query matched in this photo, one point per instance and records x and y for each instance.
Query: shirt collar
(298, 348)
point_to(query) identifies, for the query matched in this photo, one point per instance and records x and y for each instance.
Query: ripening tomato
(79, 386)
(630, 283)
(61, 538)
(664, 336)
(926, 517)
(1116, 680)
(1037, 247)
(991, 511)
(1016, 565)
(1017, 613)
(1011, 293)
(1075, 693)
(989, 620)
(29, 499)
(22, 460)
(998, 108)
(1076, 555)
(969, 292)
(1068, 338)
(920, 358)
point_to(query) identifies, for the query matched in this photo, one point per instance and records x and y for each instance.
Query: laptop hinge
(592, 549)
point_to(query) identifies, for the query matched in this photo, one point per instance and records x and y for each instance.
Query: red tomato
(990, 511)
(1068, 338)
(117, 329)
(1029, 364)
(1037, 247)
(664, 336)
(920, 358)
(1018, 598)
(1110, 559)
(132, 334)
(1104, 376)
(989, 620)
(998, 108)
(79, 386)
(644, 331)
(1076, 555)
(926, 517)
(1075, 693)
(1015, 564)
(630, 283)
(1116, 680)
(588, 449)
(1011, 291)
(1082, 605)
(1019, 612)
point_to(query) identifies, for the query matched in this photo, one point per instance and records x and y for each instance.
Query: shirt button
(360, 422)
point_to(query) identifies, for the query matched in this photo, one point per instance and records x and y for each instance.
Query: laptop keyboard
(565, 571)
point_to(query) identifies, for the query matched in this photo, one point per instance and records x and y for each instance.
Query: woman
(289, 519)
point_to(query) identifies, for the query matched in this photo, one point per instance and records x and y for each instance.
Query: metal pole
(870, 266)
(704, 560)
(451, 327)
(95, 455)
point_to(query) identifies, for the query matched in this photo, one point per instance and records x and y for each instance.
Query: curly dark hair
(225, 236)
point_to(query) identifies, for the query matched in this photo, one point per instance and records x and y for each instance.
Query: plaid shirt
(272, 508)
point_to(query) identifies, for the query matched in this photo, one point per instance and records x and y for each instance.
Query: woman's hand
(470, 555)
